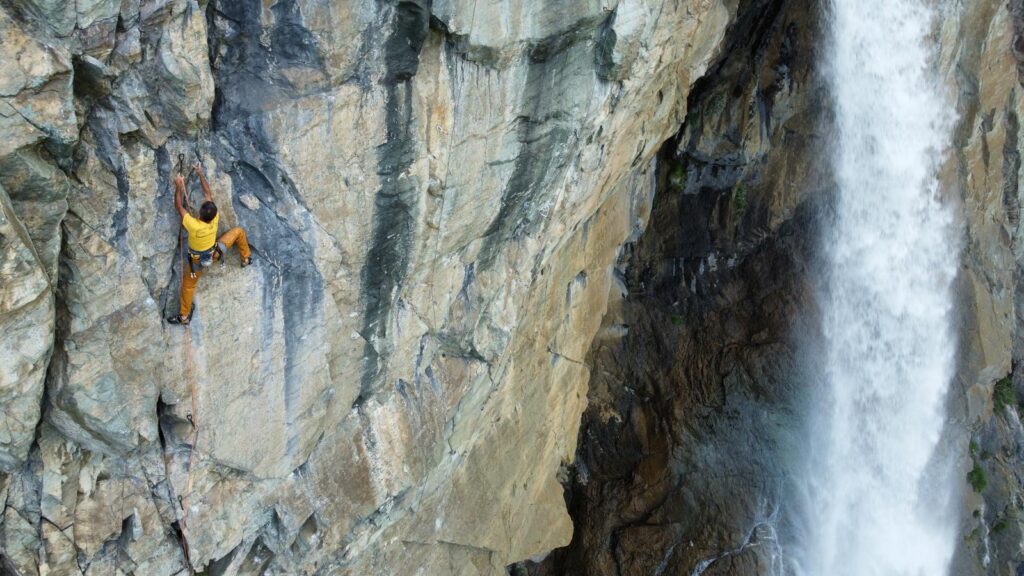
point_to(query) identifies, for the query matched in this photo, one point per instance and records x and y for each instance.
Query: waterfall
(877, 493)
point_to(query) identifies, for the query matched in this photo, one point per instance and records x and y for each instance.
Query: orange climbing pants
(188, 284)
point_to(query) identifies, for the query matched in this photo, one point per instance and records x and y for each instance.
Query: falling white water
(876, 499)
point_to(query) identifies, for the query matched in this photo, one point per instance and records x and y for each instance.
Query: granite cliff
(435, 192)
(696, 423)
(529, 275)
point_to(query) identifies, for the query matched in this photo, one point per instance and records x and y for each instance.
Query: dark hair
(208, 211)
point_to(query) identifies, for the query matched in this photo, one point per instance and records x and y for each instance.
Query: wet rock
(671, 472)
(985, 173)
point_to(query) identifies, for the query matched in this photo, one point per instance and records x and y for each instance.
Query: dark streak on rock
(108, 150)
(544, 135)
(604, 49)
(1011, 164)
(391, 246)
(544, 131)
(279, 231)
(1017, 47)
(294, 45)
(250, 75)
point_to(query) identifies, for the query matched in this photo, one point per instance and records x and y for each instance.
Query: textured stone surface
(987, 172)
(435, 193)
(693, 422)
(438, 195)
(26, 305)
(682, 465)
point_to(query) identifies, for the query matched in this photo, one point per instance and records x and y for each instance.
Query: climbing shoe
(246, 261)
(179, 319)
(182, 320)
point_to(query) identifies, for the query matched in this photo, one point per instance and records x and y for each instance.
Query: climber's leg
(236, 236)
(188, 289)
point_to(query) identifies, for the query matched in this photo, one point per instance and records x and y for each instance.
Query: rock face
(435, 192)
(697, 388)
(986, 170)
(447, 203)
(693, 428)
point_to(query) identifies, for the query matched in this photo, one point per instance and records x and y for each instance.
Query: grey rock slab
(27, 310)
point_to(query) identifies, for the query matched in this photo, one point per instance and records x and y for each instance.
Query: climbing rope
(183, 499)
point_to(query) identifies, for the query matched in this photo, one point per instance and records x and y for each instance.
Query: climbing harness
(206, 258)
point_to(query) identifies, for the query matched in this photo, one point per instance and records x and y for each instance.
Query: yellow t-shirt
(201, 235)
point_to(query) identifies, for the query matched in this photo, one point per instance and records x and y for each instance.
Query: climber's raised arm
(207, 193)
(179, 191)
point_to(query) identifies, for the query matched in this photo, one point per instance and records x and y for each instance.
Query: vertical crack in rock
(166, 422)
(168, 295)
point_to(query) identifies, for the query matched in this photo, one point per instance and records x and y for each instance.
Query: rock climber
(204, 248)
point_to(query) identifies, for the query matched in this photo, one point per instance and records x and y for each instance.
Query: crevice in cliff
(748, 35)
(679, 446)
(166, 421)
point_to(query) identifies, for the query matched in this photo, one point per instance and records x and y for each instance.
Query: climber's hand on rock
(179, 180)
(198, 168)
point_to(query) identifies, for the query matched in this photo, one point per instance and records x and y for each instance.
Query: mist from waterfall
(877, 494)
